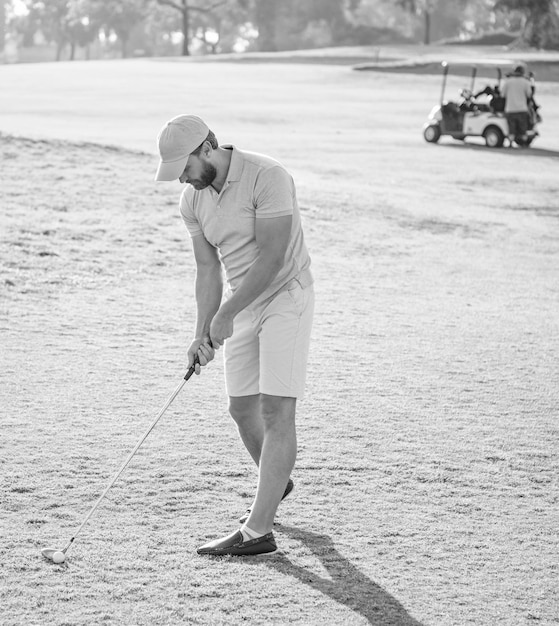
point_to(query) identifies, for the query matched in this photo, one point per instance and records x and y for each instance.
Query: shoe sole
(243, 556)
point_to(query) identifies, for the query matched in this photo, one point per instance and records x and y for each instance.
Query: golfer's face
(198, 173)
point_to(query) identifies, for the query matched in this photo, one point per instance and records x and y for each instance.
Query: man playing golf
(241, 212)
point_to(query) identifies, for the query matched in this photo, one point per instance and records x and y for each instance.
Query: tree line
(156, 27)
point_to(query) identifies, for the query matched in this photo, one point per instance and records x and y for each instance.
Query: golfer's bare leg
(277, 458)
(245, 411)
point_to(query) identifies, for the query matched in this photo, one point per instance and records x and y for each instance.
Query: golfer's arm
(272, 239)
(208, 284)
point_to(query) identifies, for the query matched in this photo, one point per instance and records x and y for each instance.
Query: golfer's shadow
(346, 585)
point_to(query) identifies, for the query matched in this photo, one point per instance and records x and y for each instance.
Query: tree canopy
(162, 27)
(541, 26)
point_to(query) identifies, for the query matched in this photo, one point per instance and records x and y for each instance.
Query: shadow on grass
(347, 585)
(515, 152)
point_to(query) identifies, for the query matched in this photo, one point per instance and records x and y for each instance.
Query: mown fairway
(426, 483)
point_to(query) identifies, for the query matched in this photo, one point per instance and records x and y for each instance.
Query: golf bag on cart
(534, 114)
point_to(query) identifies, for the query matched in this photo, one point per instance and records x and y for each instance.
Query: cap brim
(171, 170)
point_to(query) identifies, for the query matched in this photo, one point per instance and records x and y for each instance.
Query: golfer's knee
(277, 411)
(243, 408)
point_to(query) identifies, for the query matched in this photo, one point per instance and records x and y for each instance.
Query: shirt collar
(236, 165)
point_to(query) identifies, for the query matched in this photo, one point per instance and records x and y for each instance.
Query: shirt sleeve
(274, 193)
(188, 215)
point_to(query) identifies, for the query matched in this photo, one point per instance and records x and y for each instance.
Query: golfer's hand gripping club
(196, 361)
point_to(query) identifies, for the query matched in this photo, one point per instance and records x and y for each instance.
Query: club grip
(192, 369)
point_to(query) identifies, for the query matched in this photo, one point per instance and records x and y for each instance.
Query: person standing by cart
(517, 92)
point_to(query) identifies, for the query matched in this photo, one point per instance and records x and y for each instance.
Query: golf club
(59, 556)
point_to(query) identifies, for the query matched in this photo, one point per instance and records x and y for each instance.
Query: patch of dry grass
(426, 478)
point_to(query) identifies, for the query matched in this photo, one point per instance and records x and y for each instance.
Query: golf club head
(53, 555)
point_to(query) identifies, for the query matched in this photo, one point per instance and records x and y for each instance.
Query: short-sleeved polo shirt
(516, 91)
(256, 187)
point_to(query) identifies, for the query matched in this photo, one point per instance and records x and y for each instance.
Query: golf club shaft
(136, 447)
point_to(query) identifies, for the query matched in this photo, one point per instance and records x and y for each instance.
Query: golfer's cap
(176, 141)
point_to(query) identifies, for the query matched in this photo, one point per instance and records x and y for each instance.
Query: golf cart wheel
(432, 133)
(494, 137)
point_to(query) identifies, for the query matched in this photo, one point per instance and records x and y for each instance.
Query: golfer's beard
(206, 178)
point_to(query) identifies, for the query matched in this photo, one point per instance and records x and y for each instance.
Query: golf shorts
(267, 352)
(518, 123)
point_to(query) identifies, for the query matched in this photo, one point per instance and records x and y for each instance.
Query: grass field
(426, 480)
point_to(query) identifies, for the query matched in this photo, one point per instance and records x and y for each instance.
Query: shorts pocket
(297, 296)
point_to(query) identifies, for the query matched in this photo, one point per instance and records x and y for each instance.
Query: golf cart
(479, 115)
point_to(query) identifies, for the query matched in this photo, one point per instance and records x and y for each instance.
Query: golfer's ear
(206, 148)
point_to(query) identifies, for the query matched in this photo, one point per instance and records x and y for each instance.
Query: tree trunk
(427, 35)
(185, 28)
(72, 51)
(266, 17)
(124, 45)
